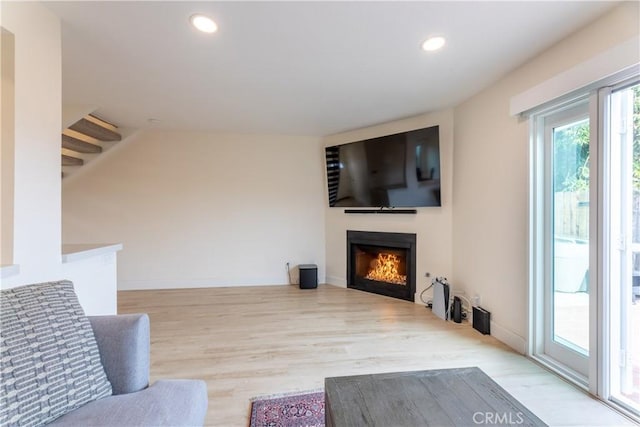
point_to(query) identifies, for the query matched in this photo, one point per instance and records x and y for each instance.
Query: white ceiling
(312, 68)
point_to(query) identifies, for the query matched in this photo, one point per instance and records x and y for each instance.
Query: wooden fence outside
(571, 218)
(571, 215)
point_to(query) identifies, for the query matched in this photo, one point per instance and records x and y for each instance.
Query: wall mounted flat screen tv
(400, 170)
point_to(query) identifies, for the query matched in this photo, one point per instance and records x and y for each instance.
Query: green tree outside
(571, 153)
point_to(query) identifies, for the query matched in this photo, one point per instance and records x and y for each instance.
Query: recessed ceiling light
(433, 43)
(203, 23)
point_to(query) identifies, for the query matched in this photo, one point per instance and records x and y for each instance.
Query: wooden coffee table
(443, 397)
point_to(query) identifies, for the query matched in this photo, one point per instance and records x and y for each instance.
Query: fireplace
(382, 263)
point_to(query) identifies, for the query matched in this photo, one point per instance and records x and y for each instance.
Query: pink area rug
(300, 409)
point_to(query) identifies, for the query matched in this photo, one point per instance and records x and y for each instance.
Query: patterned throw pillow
(49, 359)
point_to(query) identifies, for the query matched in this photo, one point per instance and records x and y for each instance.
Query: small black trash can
(308, 276)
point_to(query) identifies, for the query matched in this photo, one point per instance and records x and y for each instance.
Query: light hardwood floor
(251, 341)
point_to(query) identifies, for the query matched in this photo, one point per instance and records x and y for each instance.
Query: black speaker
(308, 276)
(457, 309)
(482, 320)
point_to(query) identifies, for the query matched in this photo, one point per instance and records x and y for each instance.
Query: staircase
(84, 140)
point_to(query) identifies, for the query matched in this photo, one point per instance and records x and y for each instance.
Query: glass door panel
(571, 235)
(624, 256)
(566, 236)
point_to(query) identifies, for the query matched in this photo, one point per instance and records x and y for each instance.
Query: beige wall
(202, 209)
(7, 144)
(36, 181)
(432, 225)
(490, 213)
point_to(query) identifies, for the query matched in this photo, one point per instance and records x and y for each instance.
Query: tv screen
(400, 170)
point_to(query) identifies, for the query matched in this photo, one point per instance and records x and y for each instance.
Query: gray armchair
(123, 342)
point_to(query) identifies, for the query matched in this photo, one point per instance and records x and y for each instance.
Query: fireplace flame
(385, 269)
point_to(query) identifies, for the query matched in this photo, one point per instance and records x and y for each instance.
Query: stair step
(90, 126)
(78, 145)
(83, 141)
(71, 161)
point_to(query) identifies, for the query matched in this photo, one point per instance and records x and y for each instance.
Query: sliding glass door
(585, 241)
(564, 286)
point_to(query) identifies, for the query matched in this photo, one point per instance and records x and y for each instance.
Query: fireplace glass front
(386, 265)
(382, 263)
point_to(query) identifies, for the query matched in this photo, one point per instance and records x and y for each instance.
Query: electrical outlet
(476, 300)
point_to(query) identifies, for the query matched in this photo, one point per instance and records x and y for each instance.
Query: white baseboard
(139, 285)
(508, 337)
(336, 281)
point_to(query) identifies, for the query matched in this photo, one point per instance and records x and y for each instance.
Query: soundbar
(381, 211)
